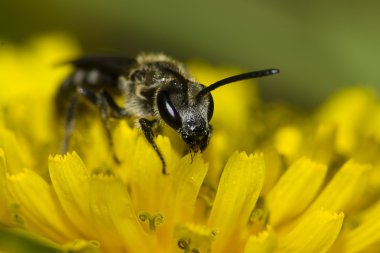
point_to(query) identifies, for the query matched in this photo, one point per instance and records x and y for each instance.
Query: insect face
(179, 108)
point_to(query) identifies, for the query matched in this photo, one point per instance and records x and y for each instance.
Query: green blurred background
(320, 46)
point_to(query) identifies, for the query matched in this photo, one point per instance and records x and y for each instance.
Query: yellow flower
(310, 183)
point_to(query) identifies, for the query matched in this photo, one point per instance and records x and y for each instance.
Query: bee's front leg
(146, 126)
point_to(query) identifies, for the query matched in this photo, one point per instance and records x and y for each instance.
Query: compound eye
(210, 108)
(167, 110)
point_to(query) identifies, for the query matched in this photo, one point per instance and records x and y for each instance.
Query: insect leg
(146, 126)
(105, 110)
(69, 123)
(115, 110)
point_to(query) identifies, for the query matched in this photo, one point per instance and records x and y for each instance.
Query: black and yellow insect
(155, 89)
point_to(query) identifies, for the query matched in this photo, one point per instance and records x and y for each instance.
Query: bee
(155, 89)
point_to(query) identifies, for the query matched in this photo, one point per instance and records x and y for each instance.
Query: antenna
(236, 78)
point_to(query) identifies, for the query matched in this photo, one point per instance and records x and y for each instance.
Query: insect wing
(113, 65)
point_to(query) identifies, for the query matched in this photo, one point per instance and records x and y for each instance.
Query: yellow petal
(149, 190)
(350, 110)
(70, 181)
(125, 138)
(39, 206)
(26, 75)
(373, 129)
(81, 246)
(288, 141)
(187, 180)
(92, 144)
(316, 232)
(364, 236)
(264, 242)
(114, 217)
(345, 190)
(238, 191)
(16, 156)
(217, 154)
(274, 168)
(192, 238)
(321, 147)
(295, 190)
(4, 195)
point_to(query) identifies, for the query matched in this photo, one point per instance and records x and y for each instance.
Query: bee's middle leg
(108, 109)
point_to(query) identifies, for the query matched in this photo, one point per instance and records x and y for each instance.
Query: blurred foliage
(320, 46)
(19, 241)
